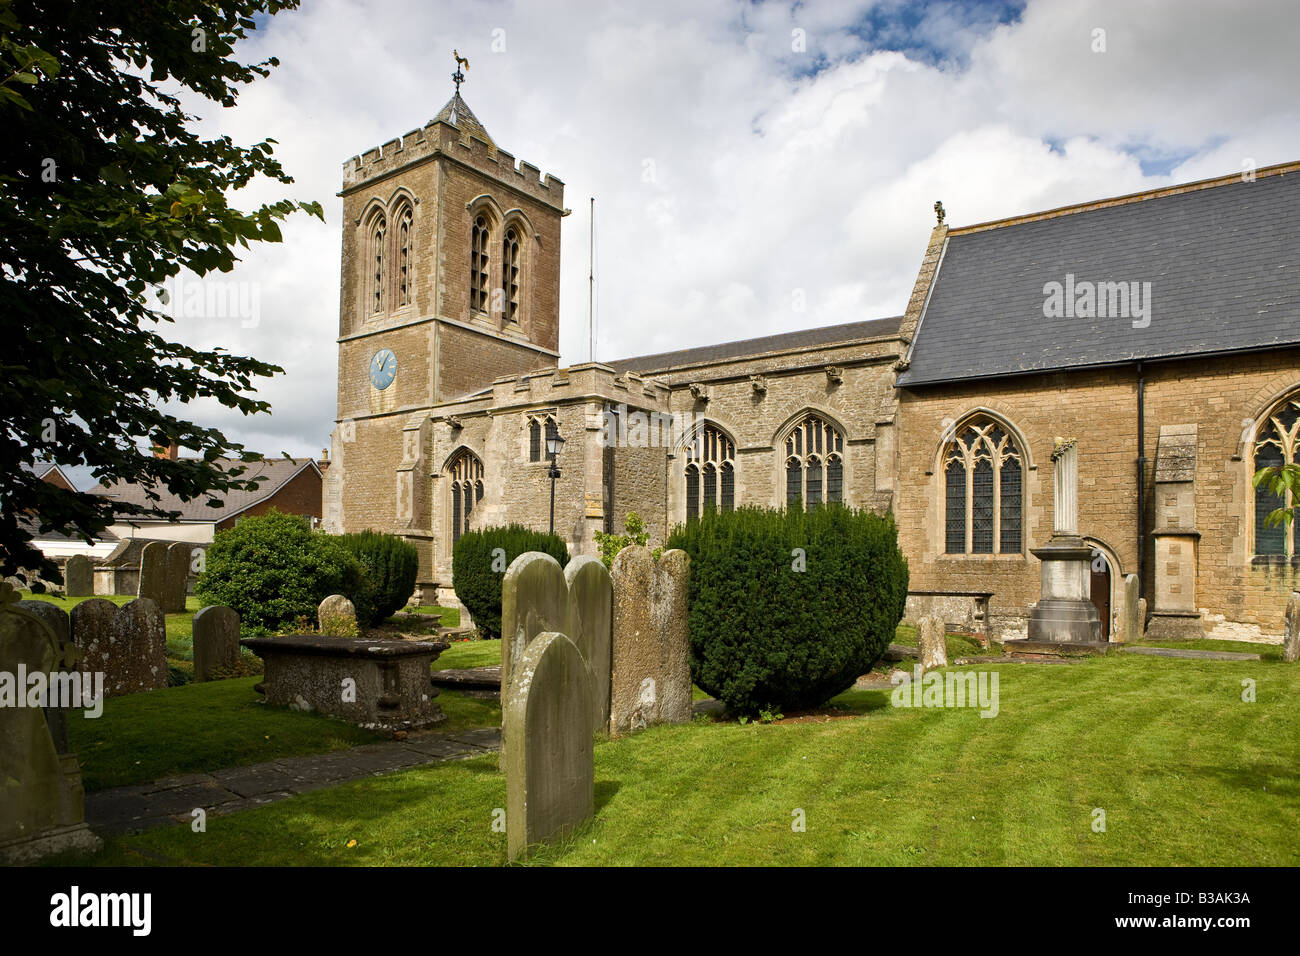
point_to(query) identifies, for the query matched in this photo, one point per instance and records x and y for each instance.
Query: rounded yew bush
(788, 608)
(479, 562)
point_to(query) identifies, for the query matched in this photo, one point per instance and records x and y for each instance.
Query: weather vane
(458, 77)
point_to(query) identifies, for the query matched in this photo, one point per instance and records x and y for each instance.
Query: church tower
(450, 279)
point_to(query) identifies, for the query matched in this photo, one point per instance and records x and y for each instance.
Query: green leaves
(1283, 482)
(109, 189)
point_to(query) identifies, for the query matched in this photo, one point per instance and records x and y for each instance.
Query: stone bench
(391, 686)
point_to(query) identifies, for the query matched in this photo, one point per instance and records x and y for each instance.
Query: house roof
(848, 333)
(272, 473)
(1222, 258)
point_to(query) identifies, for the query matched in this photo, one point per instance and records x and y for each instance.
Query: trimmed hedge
(273, 569)
(391, 565)
(767, 636)
(476, 572)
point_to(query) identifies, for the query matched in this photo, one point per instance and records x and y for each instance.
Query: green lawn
(464, 654)
(1186, 772)
(197, 727)
(450, 615)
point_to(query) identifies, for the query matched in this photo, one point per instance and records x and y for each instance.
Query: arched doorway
(1100, 590)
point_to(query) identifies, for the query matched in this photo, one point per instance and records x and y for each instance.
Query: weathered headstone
(56, 619)
(1291, 650)
(153, 573)
(216, 643)
(337, 616)
(549, 761)
(1142, 617)
(41, 799)
(177, 577)
(78, 577)
(931, 642)
(590, 627)
(650, 660)
(1132, 630)
(534, 598)
(128, 645)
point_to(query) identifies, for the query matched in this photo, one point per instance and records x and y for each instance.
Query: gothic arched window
(510, 274)
(1277, 443)
(466, 478)
(378, 234)
(983, 491)
(710, 472)
(536, 424)
(478, 265)
(404, 222)
(814, 463)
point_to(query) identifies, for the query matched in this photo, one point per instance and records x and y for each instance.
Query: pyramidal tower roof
(459, 115)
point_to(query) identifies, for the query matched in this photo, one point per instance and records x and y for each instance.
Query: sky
(758, 167)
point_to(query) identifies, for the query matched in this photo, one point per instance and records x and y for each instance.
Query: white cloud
(774, 170)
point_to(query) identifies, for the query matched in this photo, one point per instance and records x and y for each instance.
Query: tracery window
(478, 265)
(814, 463)
(510, 274)
(404, 257)
(1277, 442)
(710, 472)
(536, 446)
(466, 474)
(378, 234)
(983, 491)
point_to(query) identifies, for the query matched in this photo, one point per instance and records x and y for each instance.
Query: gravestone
(216, 643)
(1132, 631)
(650, 657)
(177, 577)
(590, 627)
(534, 598)
(56, 619)
(931, 642)
(337, 616)
(1291, 650)
(78, 577)
(41, 799)
(128, 645)
(153, 573)
(549, 763)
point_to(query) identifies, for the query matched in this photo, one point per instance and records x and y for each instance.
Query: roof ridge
(1278, 169)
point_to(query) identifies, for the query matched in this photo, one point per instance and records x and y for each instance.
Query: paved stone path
(173, 799)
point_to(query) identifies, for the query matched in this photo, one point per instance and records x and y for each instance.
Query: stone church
(1161, 330)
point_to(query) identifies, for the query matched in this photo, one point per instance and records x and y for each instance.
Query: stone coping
(343, 646)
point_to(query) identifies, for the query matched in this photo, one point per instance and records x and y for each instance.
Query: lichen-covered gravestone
(931, 643)
(1132, 611)
(534, 599)
(177, 577)
(153, 573)
(337, 617)
(650, 660)
(550, 782)
(41, 799)
(128, 645)
(78, 577)
(56, 619)
(1291, 650)
(216, 643)
(590, 627)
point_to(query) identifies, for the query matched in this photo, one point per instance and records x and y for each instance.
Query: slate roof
(274, 473)
(847, 333)
(1223, 262)
(459, 115)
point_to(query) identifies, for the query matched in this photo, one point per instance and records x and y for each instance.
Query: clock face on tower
(383, 369)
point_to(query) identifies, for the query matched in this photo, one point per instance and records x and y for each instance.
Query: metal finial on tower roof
(458, 77)
(938, 211)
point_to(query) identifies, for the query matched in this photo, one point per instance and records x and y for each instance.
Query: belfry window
(404, 258)
(814, 463)
(510, 276)
(1277, 443)
(710, 472)
(378, 235)
(478, 265)
(983, 492)
(466, 474)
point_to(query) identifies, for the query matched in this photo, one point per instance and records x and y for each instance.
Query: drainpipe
(1141, 474)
